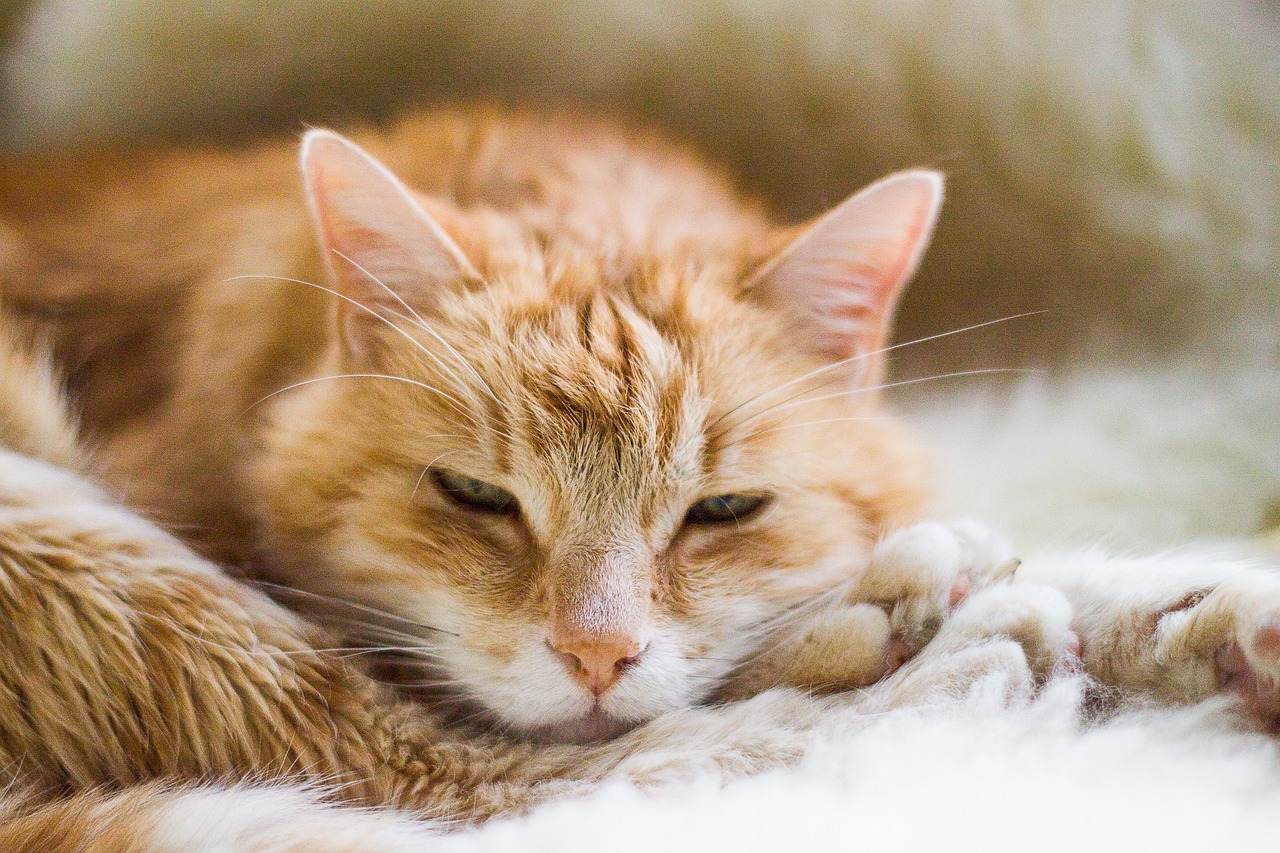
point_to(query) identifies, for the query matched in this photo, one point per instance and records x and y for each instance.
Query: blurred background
(1114, 164)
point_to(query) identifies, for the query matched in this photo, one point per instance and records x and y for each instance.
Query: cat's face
(595, 492)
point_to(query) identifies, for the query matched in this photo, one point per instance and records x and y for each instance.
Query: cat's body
(562, 365)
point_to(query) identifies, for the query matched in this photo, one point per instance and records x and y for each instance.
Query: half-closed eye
(724, 508)
(475, 494)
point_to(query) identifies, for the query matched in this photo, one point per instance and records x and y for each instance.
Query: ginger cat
(547, 415)
(576, 413)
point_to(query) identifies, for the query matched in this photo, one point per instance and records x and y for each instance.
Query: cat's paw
(919, 574)
(1038, 618)
(1226, 639)
(1003, 642)
(913, 580)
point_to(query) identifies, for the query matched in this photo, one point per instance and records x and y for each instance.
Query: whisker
(390, 644)
(432, 682)
(375, 314)
(860, 356)
(360, 651)
(279, 591)
(340, 651)
(779, 427)
(387, 376)
(361, 629)
(414, 653)
(458, 404)
(425, 326)
(802, 400)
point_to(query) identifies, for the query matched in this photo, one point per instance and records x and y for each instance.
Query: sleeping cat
(584, 424)
(150, 702)
(588, 437)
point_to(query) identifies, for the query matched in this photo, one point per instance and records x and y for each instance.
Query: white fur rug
(962, 779)
(1117, 163)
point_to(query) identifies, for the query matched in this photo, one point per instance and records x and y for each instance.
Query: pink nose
(597, 662)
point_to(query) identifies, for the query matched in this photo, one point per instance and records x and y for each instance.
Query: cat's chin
(595, 726)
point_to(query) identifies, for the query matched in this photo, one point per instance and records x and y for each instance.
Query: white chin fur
(595, 726)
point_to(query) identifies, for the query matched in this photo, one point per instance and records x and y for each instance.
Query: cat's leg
(125, 658)
(868, 628)
(1181, 626)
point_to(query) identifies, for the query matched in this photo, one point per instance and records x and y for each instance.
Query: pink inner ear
(365, 214)
(841, 279)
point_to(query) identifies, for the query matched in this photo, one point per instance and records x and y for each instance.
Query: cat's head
(594, 465)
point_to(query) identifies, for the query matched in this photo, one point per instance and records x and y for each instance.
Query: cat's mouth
(596, 725)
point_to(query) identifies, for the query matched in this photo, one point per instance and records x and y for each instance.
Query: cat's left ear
(380, 245)
(840, 279)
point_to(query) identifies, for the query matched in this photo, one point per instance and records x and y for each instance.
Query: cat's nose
(598, 662)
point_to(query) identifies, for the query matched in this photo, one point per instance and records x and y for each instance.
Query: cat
(476, 472)
(592, 438)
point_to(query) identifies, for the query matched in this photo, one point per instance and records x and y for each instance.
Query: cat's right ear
(839, 277)
(384, 252)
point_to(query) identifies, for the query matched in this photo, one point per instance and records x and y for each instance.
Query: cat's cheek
(802, 582)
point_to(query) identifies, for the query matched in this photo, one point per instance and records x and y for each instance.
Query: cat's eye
(476, 494)
(722, 508)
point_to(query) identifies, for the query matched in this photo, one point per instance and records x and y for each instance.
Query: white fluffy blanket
(1116, 163)
(963, 779)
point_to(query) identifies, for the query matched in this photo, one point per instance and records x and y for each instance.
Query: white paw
(1038, 618)
(919, 574)
(719, 742)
